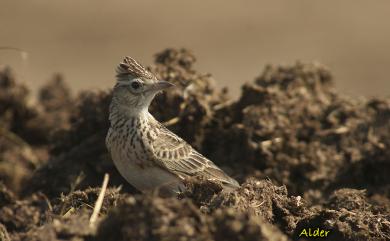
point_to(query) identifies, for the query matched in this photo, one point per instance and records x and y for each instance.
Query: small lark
(147, 154)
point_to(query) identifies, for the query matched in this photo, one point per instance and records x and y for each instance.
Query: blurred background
(233, 40)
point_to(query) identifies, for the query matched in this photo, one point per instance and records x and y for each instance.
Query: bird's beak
(160, 85)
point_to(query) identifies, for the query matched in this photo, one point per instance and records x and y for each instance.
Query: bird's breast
(130, 143)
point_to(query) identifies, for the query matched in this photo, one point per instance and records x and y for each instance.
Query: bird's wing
(176, 155)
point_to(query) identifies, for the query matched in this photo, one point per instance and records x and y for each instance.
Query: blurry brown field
(85, 39)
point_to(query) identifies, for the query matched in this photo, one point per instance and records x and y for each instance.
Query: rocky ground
(306, 156)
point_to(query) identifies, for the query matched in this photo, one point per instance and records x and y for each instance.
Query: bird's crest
(132, 67)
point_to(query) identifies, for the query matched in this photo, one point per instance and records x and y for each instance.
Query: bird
(148, 155)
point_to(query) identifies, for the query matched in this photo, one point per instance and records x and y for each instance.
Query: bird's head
(136, 86)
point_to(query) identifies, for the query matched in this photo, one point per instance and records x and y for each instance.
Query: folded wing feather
(176, 155)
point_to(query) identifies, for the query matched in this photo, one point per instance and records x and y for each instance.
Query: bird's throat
(127, 111)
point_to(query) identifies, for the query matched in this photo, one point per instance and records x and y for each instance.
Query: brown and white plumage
(147, 154)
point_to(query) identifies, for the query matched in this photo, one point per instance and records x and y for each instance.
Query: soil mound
(306, 157)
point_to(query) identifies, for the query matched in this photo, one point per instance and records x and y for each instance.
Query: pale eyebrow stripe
(127, 81)
(123, 82)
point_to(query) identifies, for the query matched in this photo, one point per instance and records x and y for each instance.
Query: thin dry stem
(99, 201)
(23, 53)
(171, 121)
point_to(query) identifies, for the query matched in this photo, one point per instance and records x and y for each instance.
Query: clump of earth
(309, 159)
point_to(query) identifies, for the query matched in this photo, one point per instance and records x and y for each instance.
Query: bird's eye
(135, 85)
